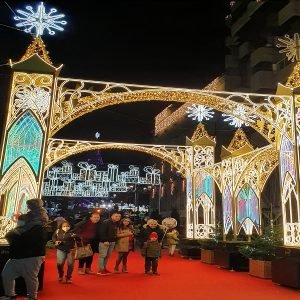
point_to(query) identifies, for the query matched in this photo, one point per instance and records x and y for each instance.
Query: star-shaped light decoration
(199, 112)
(291, 47)
(236, 122)
(40, 20)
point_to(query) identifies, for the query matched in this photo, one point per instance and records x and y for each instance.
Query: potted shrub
(261, 251)
(189, 248)
(207, 250)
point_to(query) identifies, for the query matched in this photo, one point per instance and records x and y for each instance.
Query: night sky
(165, 43)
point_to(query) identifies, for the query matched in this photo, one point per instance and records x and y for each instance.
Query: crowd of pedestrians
(104, 234)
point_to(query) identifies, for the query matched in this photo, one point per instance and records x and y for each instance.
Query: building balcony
(246, 17)
(263, 54)
(292, 9)
(244, 50)
(263, 81)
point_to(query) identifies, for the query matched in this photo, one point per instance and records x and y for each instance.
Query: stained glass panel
(247, 205)
(24, 139)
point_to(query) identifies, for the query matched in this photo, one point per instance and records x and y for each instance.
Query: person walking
(107, 235)
(64, 242)
(86, 230)
(26, 255)
(124, 244)
(172, 240)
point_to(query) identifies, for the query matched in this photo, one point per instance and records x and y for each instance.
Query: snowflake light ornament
(199, 112)
(291, 47)
(236, 122)
(40, 20)
(36, 99)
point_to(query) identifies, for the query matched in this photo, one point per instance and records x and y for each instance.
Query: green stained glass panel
(24, 139)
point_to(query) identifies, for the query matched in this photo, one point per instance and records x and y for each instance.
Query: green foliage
(213, 240)
(208, 244)
(189, 244)
(263, 247)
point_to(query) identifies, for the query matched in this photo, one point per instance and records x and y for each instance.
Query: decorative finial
(200, 132)
(239, 140)
(291, 47)
(40, 20)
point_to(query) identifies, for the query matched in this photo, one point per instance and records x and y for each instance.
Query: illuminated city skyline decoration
(40, 20)
(64, 181)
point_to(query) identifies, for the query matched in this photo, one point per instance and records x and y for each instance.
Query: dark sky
(166, 43)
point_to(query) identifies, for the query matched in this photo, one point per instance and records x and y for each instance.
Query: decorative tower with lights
(25, 135)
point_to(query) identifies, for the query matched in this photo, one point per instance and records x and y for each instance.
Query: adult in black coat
(27, 253)
(151, 226)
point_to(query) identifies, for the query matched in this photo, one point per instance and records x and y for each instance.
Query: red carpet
(180, 279)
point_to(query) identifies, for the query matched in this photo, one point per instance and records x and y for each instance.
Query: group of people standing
(104, 236)
(28, 240)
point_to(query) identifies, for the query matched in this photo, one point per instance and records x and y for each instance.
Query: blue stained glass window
(24, 139)
(204, 184)
(247, 205)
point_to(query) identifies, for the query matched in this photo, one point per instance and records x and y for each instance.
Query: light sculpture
(40, 20)
(42, 103)
(240, 111)
(64, 181)
(199, 112)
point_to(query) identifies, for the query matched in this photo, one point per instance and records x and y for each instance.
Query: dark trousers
(122, 257)
(87, 261)
(151, 262)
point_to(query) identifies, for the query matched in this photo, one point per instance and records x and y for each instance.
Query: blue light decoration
(40, 20)
(248, 208)
(287, 159)
(204, 184)
(24, 139)
(227, 210)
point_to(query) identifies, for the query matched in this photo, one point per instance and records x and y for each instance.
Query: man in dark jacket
(107, 235)
(27, 253)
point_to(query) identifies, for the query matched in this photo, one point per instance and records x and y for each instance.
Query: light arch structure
(179, 157)
(266, 113)
(56, 101)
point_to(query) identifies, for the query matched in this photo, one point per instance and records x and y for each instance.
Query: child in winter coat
(64, 242)
(172, 240)
(151, 251)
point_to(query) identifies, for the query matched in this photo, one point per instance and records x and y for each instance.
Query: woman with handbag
(87, 231)
(64, 242)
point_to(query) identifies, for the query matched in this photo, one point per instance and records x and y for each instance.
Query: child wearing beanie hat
(151, 251)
